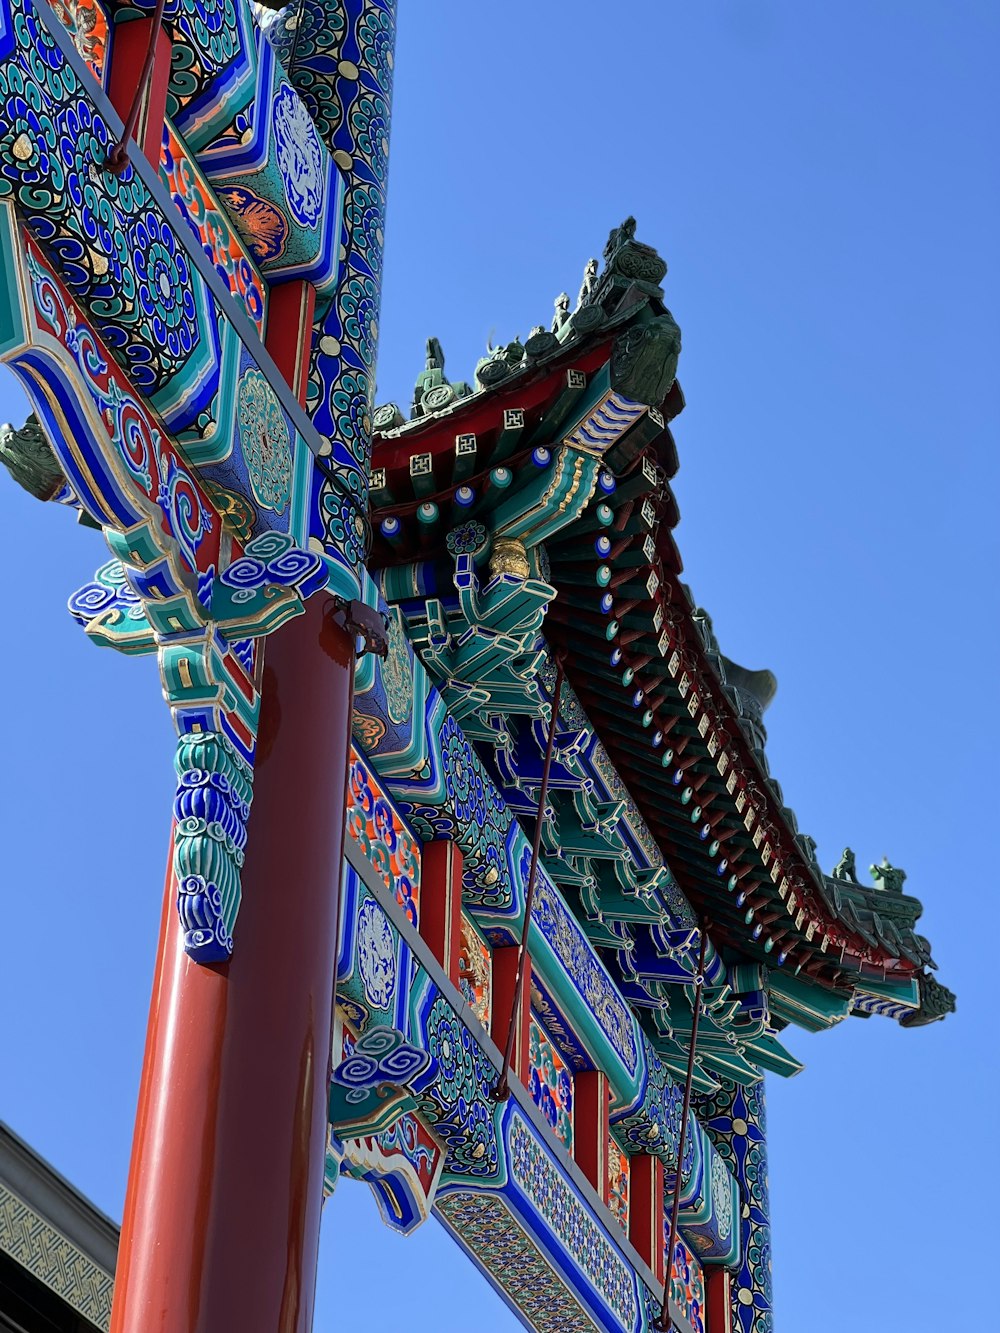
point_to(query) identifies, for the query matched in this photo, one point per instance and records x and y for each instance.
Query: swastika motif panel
(51, 1258)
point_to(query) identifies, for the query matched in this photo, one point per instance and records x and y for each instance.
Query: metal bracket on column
(365, 623)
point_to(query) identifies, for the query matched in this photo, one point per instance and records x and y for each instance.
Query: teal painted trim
(343, 581)
(13, 319)
(809, 1006)
(771, 1055)
(302, 482)
(904, 991)
(216, 444)
(558, 494)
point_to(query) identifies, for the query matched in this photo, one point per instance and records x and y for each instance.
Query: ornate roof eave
(620, 340)
(645, 665)
(461, 446)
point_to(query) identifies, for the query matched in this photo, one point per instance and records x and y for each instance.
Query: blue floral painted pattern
(463, 779)
(459, 1106)
(164, 292)
(299, 156)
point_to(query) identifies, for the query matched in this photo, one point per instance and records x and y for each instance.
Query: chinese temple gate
(464, 625)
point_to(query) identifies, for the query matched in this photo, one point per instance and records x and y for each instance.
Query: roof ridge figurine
(433, 389)
(630, 262)
(888, 877)
(589, 283)
(846, 868)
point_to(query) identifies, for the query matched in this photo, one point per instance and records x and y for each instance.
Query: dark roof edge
(59, 1203)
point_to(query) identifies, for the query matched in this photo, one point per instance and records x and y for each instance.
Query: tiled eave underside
(765, 900)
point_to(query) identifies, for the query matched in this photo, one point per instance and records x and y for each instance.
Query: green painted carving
(433, 389)
(587, 320)
(620, 236)
(560, 319)
(589, 283)
(501, 361)
(387, 417)
(197, 673)
(846, 868)
(644, 360)
(111, 612)
(935, 1002)
(888, 877)
(374, 1113)
(28, 457)
(253, 596)
(628, 259)
(761, 685)
(266, 586)
(540, 342)
(882, 914)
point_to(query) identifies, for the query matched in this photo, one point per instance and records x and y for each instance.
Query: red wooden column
(128, 55)
(645, 1211)
(718, 1300)
(590, 1127)
(441, 902)
(504, 974)
(222, 1211)
(290, 310)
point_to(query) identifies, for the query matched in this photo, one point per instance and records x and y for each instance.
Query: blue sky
(822, 181)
